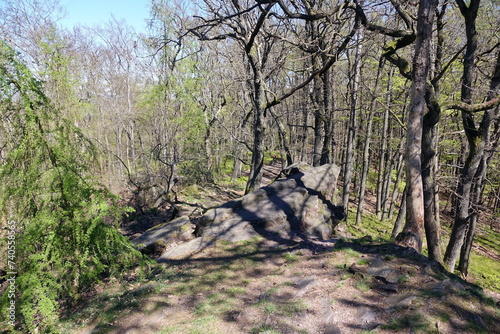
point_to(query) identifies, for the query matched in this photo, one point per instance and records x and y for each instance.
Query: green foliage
(65, 238)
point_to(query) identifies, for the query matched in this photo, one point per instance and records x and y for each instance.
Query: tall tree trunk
(399, 173)
(329, 102)
(429, 144)
(237, 167)
(366, 148)
(303, 148)
(412, 232)
(390, 165)
(483, 151)
(476, 145)
(318, 101)
(318, 136)
(283, 137)
(429, 147)
(383, 147)
(255, 177)
(398, 224)
(463, 264)
(351, 132)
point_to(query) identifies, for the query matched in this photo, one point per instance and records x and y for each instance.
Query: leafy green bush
(64, 234)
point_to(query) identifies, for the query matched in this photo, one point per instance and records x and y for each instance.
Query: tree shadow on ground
(441, 297)
(250, 286)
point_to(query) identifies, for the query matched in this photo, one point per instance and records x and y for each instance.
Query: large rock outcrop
(302, 203)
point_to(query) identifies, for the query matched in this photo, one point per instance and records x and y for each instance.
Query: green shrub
(64, 221)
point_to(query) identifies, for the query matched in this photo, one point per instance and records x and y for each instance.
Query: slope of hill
(260, 286)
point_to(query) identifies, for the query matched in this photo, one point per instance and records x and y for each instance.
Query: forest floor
(356, 283)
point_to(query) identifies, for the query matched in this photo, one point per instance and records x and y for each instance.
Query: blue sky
(91, 12)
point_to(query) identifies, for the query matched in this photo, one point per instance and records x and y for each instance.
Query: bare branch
(448, 64)
(405, 16)
(333, 59)
(474, 108)
(302, 16)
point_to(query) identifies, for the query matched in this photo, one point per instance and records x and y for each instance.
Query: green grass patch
(270, 308)
(415, 321)
(380, 231)
(351, 253)
(291, 308)
(264, 329)
(216, 304)
(290, 257)
(403, 278)
(363, 261)
(363, 286)
(201, 325)
(489, 239)
(486, 271)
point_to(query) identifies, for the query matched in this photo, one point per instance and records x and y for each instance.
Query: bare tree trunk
(412, 232)
(351, 134)
(318, 137)
(237, 168)
(463, 264)
(386, 180)
(329, 102)
(395, 190)
(303, 148)
(477, 194)
(318, 104)
(366, 149)
(476, 137)
(429, 144)
(398, 225)
(283, 137)
(255, 177)
(383, 147)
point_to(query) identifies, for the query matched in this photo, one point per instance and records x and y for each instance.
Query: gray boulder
(302, 203)
(166, 235)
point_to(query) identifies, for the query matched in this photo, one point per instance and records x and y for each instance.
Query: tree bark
(351, 132)
(476, 144)
(329, 102)
(255, 177)
(398, 225)
(472, 191)
(366, 148)
(412, 232)
(429, 147)
(429, 144)
(383, 147)
(399, 172)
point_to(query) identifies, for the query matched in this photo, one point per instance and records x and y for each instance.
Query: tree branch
(333, 59)
(474, 108)
(260, 23)
(448, 64)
